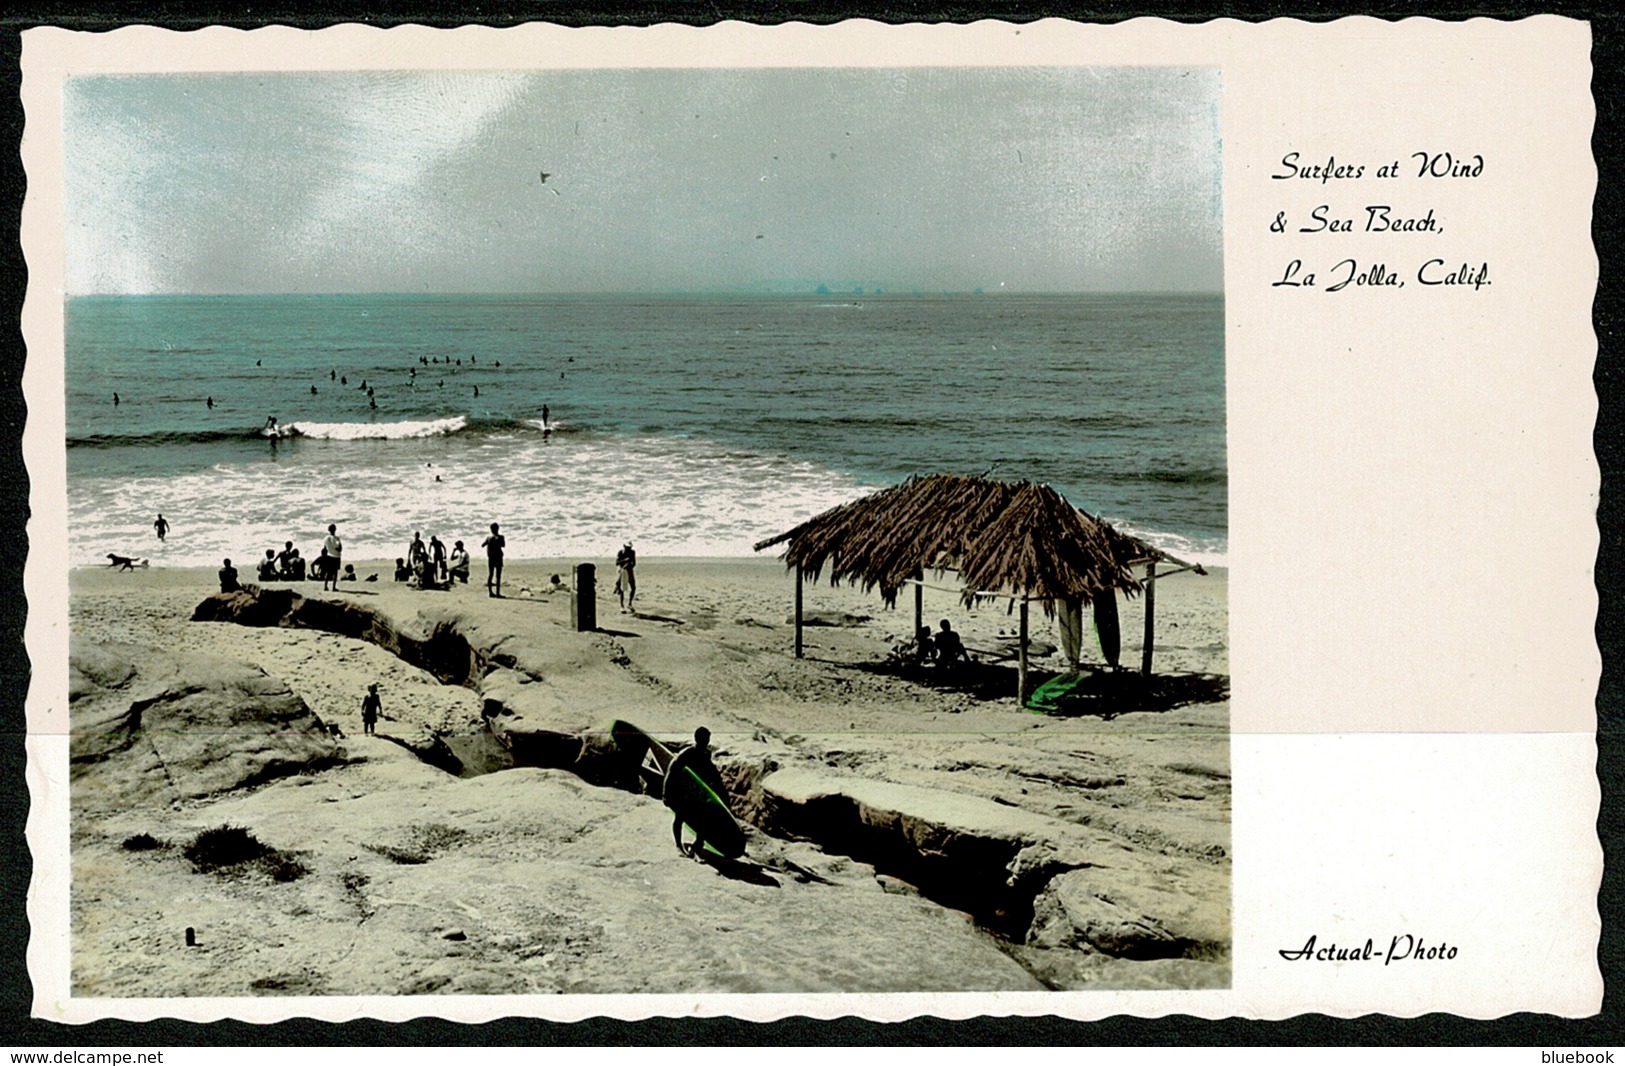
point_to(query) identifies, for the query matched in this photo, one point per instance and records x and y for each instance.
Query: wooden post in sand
(798, 610)
(584, 598)
(919, 603)
(1150, 614)
(1021, 658)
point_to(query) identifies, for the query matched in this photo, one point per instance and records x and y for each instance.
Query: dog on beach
(125, 562)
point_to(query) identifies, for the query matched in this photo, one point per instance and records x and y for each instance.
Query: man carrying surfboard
(696, 807)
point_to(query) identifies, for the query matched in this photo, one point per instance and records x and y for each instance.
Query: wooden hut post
(1021, 658)
(1150, 614)
(919, 603)
(798, 610)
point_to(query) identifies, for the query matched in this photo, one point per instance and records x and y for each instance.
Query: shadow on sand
(1103, 693)
(753, 873)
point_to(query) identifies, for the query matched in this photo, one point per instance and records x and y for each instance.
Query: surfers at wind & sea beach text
(1384, 218)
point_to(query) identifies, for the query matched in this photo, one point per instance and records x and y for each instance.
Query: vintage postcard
(990, 519)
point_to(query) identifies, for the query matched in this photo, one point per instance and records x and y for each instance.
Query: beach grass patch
(426, 842)
(230, 848)
(223, 846)
(435, 836)
(143, 842)
(281, 867)
(402, 856)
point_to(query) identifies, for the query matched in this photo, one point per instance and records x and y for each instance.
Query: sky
(928, 179)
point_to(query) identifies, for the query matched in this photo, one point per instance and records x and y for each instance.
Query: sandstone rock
(442, 650)
(958, 849)
(1073, 970)
(1137, 909)
(147, 722)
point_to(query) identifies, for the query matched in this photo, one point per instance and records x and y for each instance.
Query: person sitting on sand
(298, 566)
(924, 647)
(950, 649)
(402, 571)
(284, 561)
(698, 759)
(458, 570)
(268, 566)
(349, 574)
(228, 578)
(494, 545)
(371, 708)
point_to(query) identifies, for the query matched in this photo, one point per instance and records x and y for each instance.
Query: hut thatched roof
(1014, 537)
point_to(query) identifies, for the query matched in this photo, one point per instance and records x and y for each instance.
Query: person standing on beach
(162, 528)
(493, 546)
(371, 708)
(334, 547)
(437, 555)
(626, 581)
(417, 556)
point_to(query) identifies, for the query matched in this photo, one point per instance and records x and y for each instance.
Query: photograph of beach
(646, 531)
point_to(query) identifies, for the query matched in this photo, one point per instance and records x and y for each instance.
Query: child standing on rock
(371, 707)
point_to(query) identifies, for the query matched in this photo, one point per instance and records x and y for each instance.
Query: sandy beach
(906, 831)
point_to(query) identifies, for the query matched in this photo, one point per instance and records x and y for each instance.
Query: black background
(19, 1030)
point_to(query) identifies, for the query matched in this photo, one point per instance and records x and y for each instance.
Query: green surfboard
(705, 812)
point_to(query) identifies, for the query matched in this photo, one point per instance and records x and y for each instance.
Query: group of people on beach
(430, 566)
(944, 648)
(426, 565)
(289, 565)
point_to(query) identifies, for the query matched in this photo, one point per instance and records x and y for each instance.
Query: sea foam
(439, 427)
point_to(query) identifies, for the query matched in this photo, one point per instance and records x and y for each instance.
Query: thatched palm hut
(1017, 539)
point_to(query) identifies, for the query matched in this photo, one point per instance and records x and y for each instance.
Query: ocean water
(692, 425)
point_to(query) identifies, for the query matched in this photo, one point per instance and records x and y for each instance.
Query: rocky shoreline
(903, 834)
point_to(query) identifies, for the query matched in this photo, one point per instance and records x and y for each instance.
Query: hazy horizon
(658, 182)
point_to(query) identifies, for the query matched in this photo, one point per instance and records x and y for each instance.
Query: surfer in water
(698, 759)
